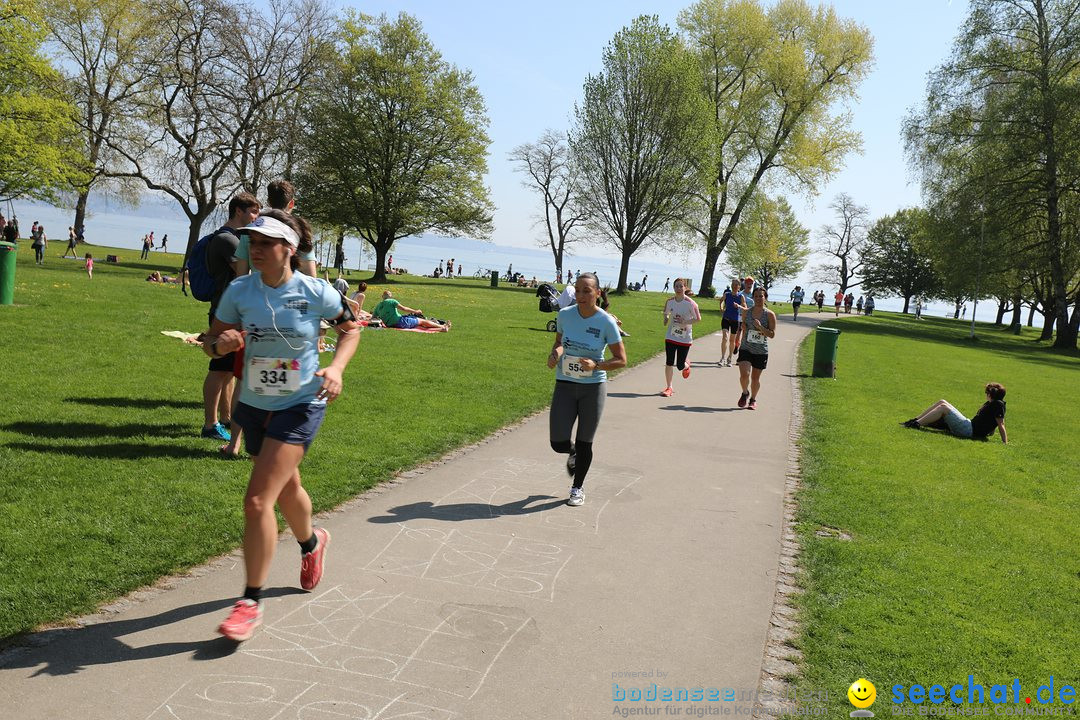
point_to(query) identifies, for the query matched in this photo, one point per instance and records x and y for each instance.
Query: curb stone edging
(775, 695)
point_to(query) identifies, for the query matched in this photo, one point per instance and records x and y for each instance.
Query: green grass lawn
(964, 556)
(106, 485)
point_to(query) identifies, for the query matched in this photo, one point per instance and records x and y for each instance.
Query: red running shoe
(245, 617)
(666, 392)
(686, 372)
(742, 398)
(311, 564)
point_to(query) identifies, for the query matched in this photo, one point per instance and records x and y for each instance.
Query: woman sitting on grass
(943, 416)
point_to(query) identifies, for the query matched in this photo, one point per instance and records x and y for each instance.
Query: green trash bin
(7, 273)
(494, 278)
(825, 340)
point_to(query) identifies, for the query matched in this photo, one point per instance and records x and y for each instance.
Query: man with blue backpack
(211, 267)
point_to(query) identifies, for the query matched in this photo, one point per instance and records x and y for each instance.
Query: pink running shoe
(311, 564)
(666, 392)
(686, 372)
(753, 404)
(742, 399)
(245, 617)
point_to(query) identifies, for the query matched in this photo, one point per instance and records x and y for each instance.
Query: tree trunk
(714, 245)
(624, 270)
(382, 249)
(1003, 307)
(907, 303)
(1048, 326)
(1016, 308)
(1074, 323)
(80, 210)
(1031, 313)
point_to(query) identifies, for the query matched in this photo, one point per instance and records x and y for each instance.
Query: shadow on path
(466, 511)
(67, 651)
(686, 408)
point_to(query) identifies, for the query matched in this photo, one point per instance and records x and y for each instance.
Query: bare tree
(305, 29)
(547, 163)
(196, 114)
(99, 41)
(843, 244)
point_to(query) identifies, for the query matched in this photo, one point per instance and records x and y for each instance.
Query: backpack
(200, 280)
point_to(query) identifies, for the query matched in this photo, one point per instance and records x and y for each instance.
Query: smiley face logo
(862, 693)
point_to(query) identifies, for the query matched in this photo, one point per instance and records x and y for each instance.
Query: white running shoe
(577, 497)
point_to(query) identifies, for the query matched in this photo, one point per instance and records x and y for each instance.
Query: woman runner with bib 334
(583, 331)
(759, 324)
(283, 398)
(680, 314)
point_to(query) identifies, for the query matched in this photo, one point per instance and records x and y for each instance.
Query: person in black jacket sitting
(990, 416)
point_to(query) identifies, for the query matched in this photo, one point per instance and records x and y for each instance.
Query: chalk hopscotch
(407, 641)
(479, 559)
(379, 654)
(258, 698)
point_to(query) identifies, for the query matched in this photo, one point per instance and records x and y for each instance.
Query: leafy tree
(774, 78)
(769, 242)
(396, 143)
(1009, 96)
(38, 155)
(843, 243)
(893, 260)
(547, 164)
(638, 130)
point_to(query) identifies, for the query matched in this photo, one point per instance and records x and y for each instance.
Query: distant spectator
(40, 242)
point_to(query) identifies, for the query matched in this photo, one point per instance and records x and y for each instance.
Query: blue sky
(530, 60)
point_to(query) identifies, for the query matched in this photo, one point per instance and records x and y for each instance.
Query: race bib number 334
(273, 376)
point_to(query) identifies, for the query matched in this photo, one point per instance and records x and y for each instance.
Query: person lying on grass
(943, 416)
(390, 312)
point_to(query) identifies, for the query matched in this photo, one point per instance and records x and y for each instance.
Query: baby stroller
(549, 302)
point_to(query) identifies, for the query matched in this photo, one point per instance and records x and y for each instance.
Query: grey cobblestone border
(774, 692)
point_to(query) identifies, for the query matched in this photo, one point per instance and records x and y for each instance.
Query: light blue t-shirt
(586, 338)
(285, 338)
(747, 300)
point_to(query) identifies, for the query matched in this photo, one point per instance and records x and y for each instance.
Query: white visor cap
(270, 227)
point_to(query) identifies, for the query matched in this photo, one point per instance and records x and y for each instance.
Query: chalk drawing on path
(478, 559)
(391, 639)
(223, 697)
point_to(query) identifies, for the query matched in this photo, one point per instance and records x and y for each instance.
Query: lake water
(124, 228)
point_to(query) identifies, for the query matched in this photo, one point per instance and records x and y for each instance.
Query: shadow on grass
(132, 402)
(67, 651)
(117, 451)
(69, 430)
(465, 511)
(947, 332)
